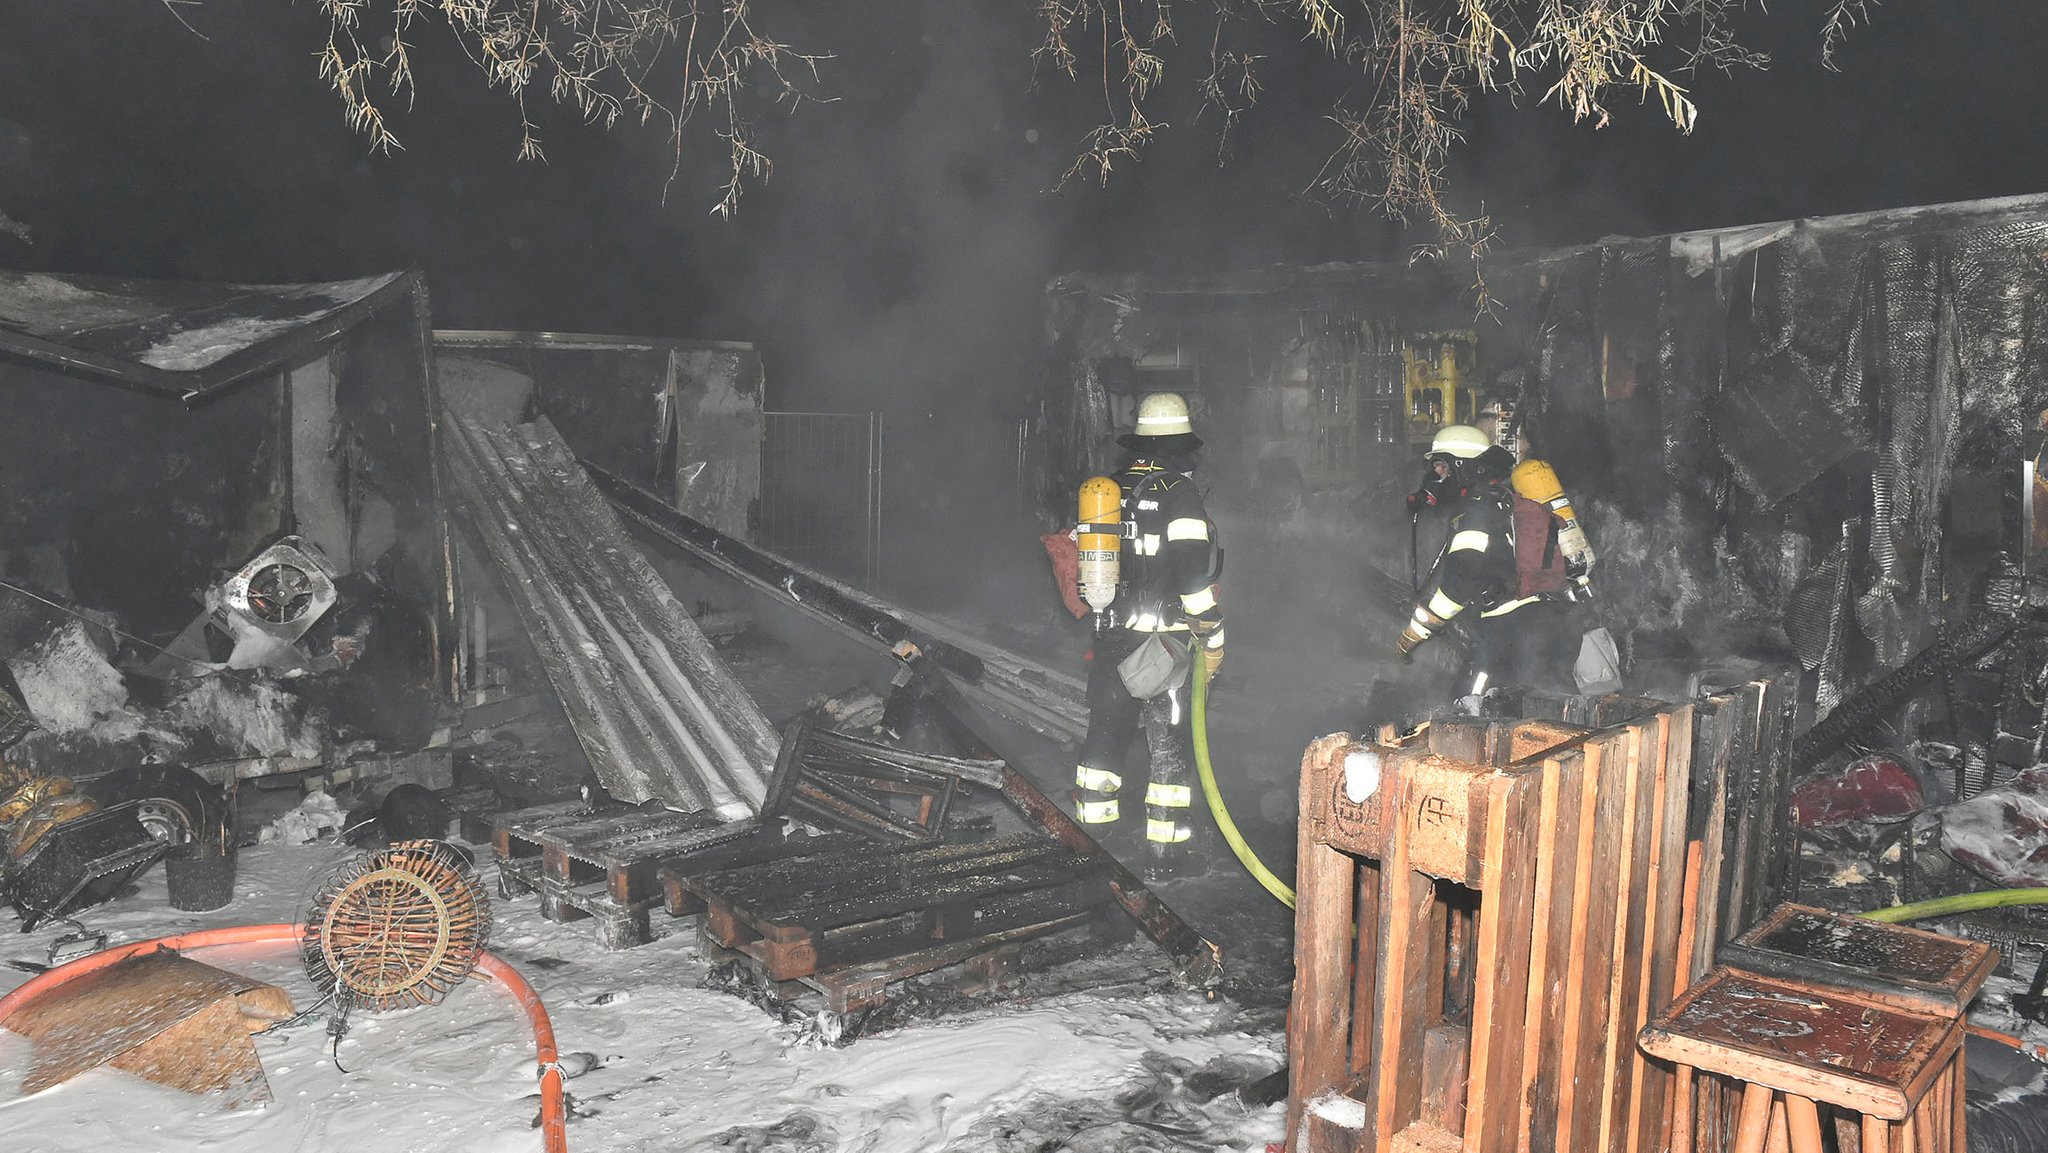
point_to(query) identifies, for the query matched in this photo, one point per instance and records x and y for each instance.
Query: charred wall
(1806, 434)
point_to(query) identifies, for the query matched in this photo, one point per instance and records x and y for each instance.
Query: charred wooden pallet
(602, 860)
(835, 781)
(807, 913)
(985, 964)
(675, 873)
(617, 925)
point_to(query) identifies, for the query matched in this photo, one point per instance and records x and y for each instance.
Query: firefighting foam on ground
(652, 576)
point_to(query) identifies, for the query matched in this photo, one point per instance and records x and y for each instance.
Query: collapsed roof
(179, 339)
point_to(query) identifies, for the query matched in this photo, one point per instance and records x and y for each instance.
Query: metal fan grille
(397, 928)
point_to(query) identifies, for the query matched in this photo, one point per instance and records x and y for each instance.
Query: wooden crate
(1888, 1072)
(1488, 913)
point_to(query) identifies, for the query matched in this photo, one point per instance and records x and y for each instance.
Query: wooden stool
(1796, 1045)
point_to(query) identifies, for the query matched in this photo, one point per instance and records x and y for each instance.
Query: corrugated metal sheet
(657, 712)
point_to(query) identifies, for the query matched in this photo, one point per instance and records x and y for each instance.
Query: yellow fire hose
(1245, 856)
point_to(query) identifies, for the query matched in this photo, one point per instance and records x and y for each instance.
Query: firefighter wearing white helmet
(1440, 485)
(1167, 585)
(1500, 568)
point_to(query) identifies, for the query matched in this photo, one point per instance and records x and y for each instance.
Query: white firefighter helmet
(1460, 442)
(1163, 414)
(1163, 425)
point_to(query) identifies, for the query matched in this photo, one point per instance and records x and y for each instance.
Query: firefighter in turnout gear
(1478, 574)
(1165, 589)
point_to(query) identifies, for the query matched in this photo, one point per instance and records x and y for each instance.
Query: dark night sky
(896, 258)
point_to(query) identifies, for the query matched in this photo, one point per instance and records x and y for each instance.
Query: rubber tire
(200, 880)
(185, 788)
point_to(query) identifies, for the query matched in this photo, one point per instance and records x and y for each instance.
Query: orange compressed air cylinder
(1099, 537)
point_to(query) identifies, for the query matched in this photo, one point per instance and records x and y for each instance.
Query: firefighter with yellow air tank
(1148, 568)
(1514, 562)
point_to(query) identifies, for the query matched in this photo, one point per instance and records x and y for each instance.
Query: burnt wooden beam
(1199, 961)
(780, 579)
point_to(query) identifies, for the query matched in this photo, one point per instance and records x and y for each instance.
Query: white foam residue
(1339, 1110)
(679, 1067)
(255, 717)
(317, 814)
(70, 687)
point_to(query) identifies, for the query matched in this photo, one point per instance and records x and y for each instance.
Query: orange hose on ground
(553, 1118)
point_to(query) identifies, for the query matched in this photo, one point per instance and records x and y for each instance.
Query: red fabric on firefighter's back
(1539, 563)
(1066, 569)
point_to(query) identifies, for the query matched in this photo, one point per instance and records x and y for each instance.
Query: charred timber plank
(836, 802)
(1774, 798)
(885, 759)
(871, 865)
(1199, 960)
(1707, 819)
(826, 912)
(1740, 845)
(633, 865)
(766, 844)
(1875, 701)
(828, 891)
(882, 928)
(515, 833)
(789, 759)
(852, 985)
(962, 921)
(772, 575)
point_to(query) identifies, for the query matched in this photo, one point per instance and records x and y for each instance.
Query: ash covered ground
(1099, 1054)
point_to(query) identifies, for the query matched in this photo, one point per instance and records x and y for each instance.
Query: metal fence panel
(821, 499)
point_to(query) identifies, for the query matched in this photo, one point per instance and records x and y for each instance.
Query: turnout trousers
(1114, 718)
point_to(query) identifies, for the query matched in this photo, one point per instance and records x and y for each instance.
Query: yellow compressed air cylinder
(1099, 538)
(1536, 480)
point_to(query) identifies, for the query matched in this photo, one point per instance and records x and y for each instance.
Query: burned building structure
(1812, 437)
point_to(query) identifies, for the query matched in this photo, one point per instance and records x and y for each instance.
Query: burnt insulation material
(1777, 432)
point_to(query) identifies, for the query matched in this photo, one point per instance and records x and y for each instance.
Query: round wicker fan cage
(396, 928)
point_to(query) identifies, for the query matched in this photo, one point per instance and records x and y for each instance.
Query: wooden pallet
(1488, 913)
(840, 782)
(602, 860)
(977, 965)
(807, 913)
(617, 925)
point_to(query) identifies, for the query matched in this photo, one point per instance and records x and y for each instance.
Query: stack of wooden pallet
(1488, 914)
(847, 922)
